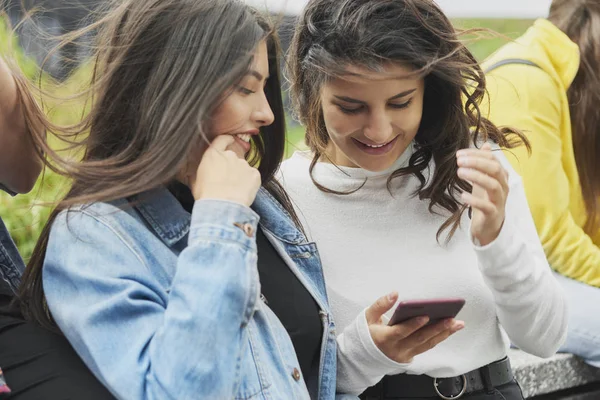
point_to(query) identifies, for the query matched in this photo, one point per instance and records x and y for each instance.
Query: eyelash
(359, 109)
(245, 91)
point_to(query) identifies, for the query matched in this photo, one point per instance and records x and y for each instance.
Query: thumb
(380, 307)
(221, 142)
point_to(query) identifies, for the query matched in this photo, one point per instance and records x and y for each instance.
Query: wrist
(485, 238)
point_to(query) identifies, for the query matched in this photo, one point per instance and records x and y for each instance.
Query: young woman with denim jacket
(399, 152)
(150, 265)
(35, 363)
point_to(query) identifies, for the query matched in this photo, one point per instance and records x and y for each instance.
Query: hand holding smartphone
(435, 309)
(406, 335)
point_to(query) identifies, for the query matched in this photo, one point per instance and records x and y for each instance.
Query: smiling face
(372, 119)
(242, 113)
(246, 109)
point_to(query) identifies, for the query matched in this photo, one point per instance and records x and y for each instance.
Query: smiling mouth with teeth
(376, 149)
(244, 137)
(374, 146)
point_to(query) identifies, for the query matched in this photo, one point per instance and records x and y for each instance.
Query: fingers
(436, 335)
(221, 142)
(491, 167)
(481, 168)
(483, 205)
(380, 307)
(495, 189)
(402, 330)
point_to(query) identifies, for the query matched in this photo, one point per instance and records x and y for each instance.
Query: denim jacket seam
(116, 233)
(242, 243)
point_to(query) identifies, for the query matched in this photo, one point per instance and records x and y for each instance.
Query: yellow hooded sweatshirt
(534, 100)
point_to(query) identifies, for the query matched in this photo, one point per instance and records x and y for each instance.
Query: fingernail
(392, 296)
(423, 320)
(460, 153)
(448, 323)
(463, 161)
(459, 326)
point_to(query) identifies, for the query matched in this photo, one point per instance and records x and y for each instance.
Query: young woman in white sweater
(404, 193)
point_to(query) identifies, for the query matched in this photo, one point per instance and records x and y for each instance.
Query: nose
(379, 127)
(263, 115)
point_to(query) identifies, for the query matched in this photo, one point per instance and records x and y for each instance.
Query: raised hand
(490, 191)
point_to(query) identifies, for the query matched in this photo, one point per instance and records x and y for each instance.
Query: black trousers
(41, 365)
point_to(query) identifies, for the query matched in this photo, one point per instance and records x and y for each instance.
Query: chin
(376, 165)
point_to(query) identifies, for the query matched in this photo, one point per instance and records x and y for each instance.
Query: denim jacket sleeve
(142, 341)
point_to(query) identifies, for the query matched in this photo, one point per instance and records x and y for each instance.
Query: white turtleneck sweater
(372, 243)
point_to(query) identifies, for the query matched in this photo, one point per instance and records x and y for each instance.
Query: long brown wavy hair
(160, 70)
(580, 20)
(334, 34)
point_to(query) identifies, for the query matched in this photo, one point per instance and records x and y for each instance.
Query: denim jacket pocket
(254, 379)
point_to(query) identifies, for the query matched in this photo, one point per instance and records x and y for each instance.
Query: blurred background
(35, 36)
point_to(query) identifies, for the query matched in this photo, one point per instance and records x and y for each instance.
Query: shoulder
(295, 170)
(528, 84)
(98, 220)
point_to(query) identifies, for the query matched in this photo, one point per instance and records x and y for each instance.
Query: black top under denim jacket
(283, 293)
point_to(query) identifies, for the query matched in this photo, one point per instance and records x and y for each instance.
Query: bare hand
(404, 341)
(225, 176)
(490, 191)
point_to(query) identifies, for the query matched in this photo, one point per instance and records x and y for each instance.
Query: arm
(360, 362)
(536, 111)
(530, 304)
(141, 341)
(369, 348)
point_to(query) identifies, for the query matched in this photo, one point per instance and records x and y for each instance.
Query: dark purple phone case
(435, 309)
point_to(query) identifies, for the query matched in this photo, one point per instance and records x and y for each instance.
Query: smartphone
(435, 309)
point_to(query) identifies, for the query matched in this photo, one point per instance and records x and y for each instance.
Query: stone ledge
(538, 376)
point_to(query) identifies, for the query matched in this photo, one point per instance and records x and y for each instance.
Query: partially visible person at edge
(555, 100)
(36, 363)
(154, 266)
(398, 152)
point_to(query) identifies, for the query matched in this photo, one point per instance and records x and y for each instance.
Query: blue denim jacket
(161, 304)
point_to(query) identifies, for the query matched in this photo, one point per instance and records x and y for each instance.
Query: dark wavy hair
(160, 70)
(334, 34)
(580, 20)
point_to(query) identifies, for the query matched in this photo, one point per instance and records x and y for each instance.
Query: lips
(244, 137)
(375, 149)
(243, 141)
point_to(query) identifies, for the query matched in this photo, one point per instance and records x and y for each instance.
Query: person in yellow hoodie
(547, 83)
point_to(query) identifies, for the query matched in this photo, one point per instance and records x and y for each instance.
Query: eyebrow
(257, 75)
(356, 101)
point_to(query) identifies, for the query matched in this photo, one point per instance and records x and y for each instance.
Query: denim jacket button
(296, 374)
(247, 228)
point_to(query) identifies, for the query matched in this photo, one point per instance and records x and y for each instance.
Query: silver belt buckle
(458, 396)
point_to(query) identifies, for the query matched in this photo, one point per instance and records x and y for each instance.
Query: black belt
(414, 386)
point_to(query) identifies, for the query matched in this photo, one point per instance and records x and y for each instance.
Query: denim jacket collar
(171, 223)
(275, 219)
(164, 215)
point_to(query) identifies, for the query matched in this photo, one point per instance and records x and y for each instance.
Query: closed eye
(346, 110)
(244, 90)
